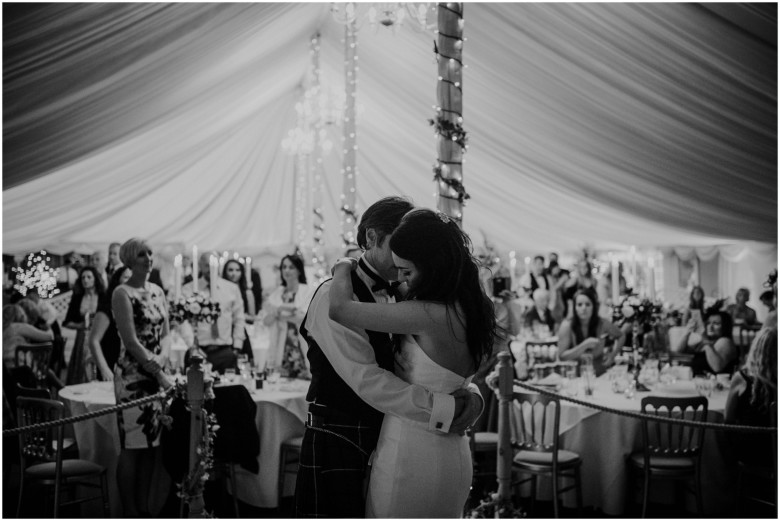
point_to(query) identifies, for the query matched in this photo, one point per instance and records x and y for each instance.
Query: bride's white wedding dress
(416, 472)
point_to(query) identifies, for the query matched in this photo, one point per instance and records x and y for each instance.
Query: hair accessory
(444, 217)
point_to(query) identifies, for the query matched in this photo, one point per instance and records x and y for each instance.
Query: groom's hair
(383, 216)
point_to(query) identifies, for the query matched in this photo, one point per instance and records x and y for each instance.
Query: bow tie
(379, 283)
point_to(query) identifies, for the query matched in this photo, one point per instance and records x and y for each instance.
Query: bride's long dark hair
(449, 274)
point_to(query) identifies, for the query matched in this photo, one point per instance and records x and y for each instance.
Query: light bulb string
(450, 36)
(442, 109)
(447, 8)
(450, 58)
(453, 83)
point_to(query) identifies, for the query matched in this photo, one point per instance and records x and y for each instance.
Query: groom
(353, 383)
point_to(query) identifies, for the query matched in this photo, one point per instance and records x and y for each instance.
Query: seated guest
(235, 273)
(695, 309)
(586, 333)
(753, 389)
(715, 352)
(16, 330)
(540, 313)
(740, 312)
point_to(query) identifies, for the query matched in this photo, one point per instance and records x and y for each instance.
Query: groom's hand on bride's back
(468, 407)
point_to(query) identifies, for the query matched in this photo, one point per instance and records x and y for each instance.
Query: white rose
(194, 308)
(628, 311)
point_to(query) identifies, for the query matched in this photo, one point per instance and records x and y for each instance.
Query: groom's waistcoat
(327, 387)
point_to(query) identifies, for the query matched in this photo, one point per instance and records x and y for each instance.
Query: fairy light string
(349, 171)
(317, 175)
(448, 121)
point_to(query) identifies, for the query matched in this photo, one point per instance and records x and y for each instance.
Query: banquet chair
(670, 451)
(538, 446)
(37, 357)
(746, 335)
(763, 479)
(42, 460)
(289, 456)
(69, 447)
(483, 441)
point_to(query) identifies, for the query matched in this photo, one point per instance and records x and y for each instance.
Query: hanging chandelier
(387, 14)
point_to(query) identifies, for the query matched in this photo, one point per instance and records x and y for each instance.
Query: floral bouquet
(494, 507)
(643, 311)
(194, 309)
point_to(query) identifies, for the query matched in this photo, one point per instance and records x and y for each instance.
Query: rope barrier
(641, 416)
(162, 395)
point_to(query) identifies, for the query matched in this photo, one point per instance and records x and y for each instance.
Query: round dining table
(281, 414)
(604, 439)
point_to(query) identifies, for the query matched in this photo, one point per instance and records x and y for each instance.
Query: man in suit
(540, 313)
(353, 383)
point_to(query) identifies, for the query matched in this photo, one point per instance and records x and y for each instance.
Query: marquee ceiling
(599, 125)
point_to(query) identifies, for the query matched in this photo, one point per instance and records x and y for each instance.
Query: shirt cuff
(442, 413)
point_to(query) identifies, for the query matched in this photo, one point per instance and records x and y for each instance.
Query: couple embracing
(391, 375)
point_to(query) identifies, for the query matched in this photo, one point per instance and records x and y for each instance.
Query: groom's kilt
(332, 471)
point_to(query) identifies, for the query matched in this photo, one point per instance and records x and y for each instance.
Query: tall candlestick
(633, 268)
(651, 277)
(213, 274)
(512, 267)
(248, 268)
(615, 283)
(194, 268)
(177, 260)
(222, 261)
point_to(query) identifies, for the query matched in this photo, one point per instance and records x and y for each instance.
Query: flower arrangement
(495, 507)
(643, 311)
(194, 309)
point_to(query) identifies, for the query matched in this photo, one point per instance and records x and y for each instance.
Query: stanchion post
(195, 395)
(504, 457)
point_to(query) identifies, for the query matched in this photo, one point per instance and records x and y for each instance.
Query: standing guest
(16, 330)
(587, 333)
(552, 259)
(257, 289)
(534, 279)
(68, 275)
(740, 312)
(88, 291)
(695, 309)
(540, 313)
(224, 338)
(104, 342)
(558, 278)
(283, 313)
(114, 261)
(714, 351)
(752, 392)
(98, 261)
(582, 279)
(141, 315)
(234, 272)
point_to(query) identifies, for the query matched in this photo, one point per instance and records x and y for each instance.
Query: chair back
(40, 445)
(541, 351)
(32, 392)
(670, 439)
(535, 422)
(37, 357)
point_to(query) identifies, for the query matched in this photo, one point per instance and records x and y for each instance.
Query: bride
(442, 332)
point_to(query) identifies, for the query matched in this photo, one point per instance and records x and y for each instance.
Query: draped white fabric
(600, 125)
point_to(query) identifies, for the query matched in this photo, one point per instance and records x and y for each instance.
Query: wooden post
(195, 395)
(504, 458)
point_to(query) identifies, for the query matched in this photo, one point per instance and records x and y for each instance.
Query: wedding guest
(141, 315)
(714, 351)
(582, 279)
(740, 312)
(540, 313)
(753, 390)
(104, 342)
(17, 330)
(81, 310)
(283, 313)
(767, 299)
(695, 309)
(558, 278)
(224, 338)
(48, 319)
(235, 273)
(535, 278)
(98, 261)
(114, 261)
(68, 275)
(587, 333)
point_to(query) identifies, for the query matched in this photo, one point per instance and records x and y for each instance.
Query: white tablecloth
(603, 440)
(281, 414)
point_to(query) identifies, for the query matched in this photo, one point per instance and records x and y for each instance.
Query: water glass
(230, 374)
(571, 383)
(703, 386)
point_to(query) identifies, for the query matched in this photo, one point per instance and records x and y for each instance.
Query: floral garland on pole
(448, 122)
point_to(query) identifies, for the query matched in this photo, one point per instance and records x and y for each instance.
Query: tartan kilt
(332, 472)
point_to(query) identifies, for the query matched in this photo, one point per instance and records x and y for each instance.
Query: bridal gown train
(417, 473)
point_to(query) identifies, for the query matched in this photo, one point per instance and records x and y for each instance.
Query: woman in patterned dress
(141, 316)
(283, 314)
